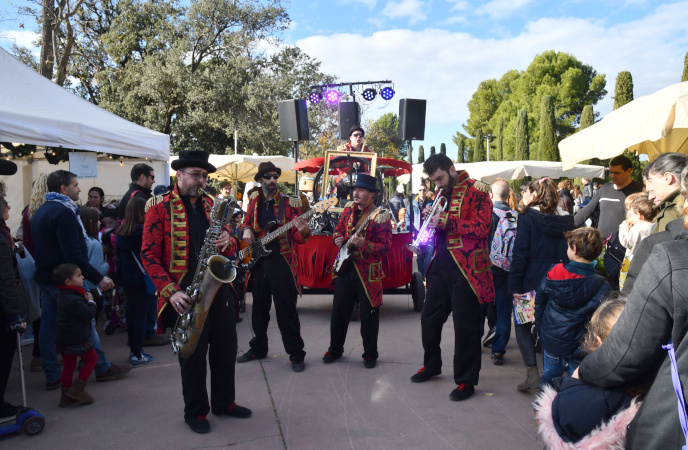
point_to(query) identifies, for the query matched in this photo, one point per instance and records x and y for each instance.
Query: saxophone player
(173, 235)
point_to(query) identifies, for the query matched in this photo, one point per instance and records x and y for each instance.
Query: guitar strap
(281, 209)
(363, 217)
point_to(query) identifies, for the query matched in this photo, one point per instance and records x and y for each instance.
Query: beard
(191, 191)
(269, 189)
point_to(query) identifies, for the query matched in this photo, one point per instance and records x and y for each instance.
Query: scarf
(67, 203)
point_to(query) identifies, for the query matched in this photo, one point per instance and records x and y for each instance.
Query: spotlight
(369, 94)
(387, 93)
(332, 96)
(315, 97)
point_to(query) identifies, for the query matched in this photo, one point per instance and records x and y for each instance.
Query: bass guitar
(345, 252)
(249, 256)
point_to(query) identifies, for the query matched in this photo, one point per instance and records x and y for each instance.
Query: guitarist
(275, 277)
(362, 279)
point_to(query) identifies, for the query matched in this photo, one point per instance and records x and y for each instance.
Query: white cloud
(446, 67)
(498, 9)
(453, 20)
(459, 5)
(414, 10)
(368, 3)
(19, 37)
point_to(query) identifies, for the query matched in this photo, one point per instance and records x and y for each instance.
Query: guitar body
(343, 259)
(253, 254)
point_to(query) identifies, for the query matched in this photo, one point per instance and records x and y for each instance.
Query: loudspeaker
(348, 117)
(293, 120)
(411, 119)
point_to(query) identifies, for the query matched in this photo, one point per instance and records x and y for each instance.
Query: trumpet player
(459, 279)
(173, 234)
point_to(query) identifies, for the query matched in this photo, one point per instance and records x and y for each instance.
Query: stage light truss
(366, 90)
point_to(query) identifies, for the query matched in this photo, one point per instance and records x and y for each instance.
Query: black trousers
(8, 347)
(448, 291)
(272, 281)
(347, 290)
(219, 333)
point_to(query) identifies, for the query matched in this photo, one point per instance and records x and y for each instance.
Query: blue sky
(440, 50)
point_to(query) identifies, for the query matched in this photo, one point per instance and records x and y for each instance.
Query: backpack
(501, 252)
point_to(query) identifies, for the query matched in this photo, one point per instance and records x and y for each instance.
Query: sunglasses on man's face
(357, 135)
(269, 176)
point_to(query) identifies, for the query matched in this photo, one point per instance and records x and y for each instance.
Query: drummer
(355, 144)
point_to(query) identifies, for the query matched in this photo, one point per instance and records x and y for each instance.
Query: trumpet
(426, 233)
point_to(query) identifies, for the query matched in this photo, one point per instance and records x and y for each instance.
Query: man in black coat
(142, 179)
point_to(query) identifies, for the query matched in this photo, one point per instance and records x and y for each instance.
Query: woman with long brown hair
(539, 244)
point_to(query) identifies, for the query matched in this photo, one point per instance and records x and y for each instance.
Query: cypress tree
(432, 150)
(623, 91)
(479, 149)
(421, 154)
(522, 137)
(587, 117)
(548, 137)
(500, 140)
(461, 157)
(684, 77)
(443, 149)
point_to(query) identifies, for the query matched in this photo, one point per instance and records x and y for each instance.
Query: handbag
(150, 287)
(524, 311)
(26, 266)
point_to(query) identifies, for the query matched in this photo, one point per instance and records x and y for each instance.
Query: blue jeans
(555, 366)
(504, 306)
(423, 260)
(51, 367)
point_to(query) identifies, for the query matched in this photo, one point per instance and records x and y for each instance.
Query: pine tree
(461, 157)
(587, 117)
(432, 150)
(421, 154)
(684, 77)
(623, 91)
(522, 137)
(500, 140)
(548, 137)
(443, 149)
(479, 149)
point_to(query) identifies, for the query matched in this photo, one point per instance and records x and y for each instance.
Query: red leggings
(90, 359)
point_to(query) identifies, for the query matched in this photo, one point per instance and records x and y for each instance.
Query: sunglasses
(357, 135)
(270, 176)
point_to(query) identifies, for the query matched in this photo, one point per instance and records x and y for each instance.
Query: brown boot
(78, 392)
(66, 402)
(532, 379)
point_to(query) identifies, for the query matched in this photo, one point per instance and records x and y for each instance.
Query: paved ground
(336, 406)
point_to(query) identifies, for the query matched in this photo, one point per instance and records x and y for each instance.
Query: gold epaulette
(154, 201)
(349, 204)
(254, 195)
(383, 216)
(295, 202)
(482, 186)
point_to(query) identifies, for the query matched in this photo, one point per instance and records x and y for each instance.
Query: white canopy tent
(488, 171)
(36, 111)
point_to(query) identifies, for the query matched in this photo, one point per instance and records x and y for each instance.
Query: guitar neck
(284, 228)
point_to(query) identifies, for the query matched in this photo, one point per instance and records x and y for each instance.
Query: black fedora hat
(365, 181)
(193, 158)
(7, 167)
(266, 167)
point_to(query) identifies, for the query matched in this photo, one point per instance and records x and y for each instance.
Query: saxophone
(212, 271)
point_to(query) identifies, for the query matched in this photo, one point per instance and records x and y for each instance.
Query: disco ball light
(387, 93)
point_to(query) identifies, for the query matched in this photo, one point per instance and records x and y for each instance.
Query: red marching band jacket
(367, 259)
(467, 223)
(165, 249)
(286, 240)
(349, 148)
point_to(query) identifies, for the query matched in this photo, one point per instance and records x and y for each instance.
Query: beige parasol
(244, 167)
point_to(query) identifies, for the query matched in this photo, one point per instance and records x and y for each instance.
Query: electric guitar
(249, 256)
(344, 254)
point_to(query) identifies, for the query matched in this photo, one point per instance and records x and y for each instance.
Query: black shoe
(8, 410)
(462, 392)
(369, 363)
(298, 365)
(235, 410)
(331, 357)
(249, 356)
(497, 359)
(54, 385)
(198, 424)
(424, 375)
(489, 339)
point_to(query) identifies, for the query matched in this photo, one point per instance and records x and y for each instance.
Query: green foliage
(587, 118)
(500, 140)
(432, 150)
(443, 149)
(421, 154)
(460, 142)
(571, 84)
(522, 137)
(479, 146)
(684, 76)
(382, 137)
(547, 147)
(623, 91)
